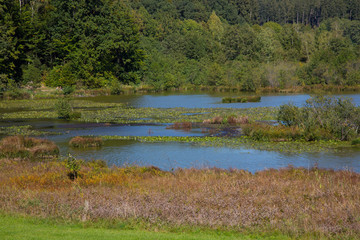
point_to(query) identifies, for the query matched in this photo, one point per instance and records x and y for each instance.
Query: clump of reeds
(230, 120)
(181, 125)
(265, 132)
(27, 148)
(238, 120)
(214, 120)
(241, 99)
(85, 142)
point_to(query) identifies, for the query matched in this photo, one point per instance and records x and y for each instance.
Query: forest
(166, 44)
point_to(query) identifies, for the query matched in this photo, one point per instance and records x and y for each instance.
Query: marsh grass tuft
(27, 148)
(241, 99)
(85, 142)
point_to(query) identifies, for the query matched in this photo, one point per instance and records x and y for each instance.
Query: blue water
(210, 100)
(174, 155)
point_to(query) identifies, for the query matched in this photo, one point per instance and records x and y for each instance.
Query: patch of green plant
(323, 118)
(298, 146)
(20, 227)
(244, 99)
(24, 130)
(73, 166)
(85, 142)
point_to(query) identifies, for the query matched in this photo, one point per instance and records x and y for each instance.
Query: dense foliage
(329, 118)
(168, 44)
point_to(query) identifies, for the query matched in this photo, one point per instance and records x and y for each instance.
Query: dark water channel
(173, 155)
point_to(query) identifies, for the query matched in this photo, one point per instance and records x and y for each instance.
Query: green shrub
(73, 165)
(289, 115)
(67, 90)
(63, 108)
(323, 118)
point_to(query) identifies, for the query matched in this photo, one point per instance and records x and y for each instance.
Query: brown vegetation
(27, 148)
(181, 125)
(85, 142)
(297, 202)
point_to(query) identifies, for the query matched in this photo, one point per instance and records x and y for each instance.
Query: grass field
(13, 228)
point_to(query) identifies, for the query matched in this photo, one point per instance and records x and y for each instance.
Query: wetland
(137, 130)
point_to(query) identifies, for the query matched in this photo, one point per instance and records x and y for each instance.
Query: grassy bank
(12, 228)
(299, 203)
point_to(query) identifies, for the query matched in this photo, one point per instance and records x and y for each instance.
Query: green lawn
(12, 228)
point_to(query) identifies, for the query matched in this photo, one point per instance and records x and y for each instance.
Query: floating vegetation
(243, 142)
(85, 142)
(241, 99)
(27, 148)
(172, 115)
(24, 130)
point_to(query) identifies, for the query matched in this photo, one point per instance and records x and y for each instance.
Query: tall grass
(85, 142)
(27, 148)
(294, 201)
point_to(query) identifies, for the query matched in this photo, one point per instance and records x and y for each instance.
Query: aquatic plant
(85, 142)
(244, 99)
(27, 148)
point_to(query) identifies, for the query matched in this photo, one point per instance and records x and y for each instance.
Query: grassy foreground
(296, 202)
(25, 228)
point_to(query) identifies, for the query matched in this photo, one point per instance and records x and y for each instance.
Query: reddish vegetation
(182, 125)
(298, 202)
(84, 142)
(27, 148)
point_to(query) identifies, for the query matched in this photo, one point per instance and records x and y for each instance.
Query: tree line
(168, 44)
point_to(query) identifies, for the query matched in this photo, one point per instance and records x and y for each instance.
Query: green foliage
(63, 108)
(289, 115)
(323, 118)
(172, 44)
(73, 166)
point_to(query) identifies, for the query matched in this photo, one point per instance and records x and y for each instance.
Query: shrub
(63, 108)
(355, 141)
(67, 90)
(73, 165)
(27, 148)
(323, 118)
(84, 142)
(289, 115)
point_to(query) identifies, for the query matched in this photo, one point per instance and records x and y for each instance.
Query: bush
(73, 165)
(84, 142)
(289, 115)
(67, 90)
(63, 108)
(323, 118)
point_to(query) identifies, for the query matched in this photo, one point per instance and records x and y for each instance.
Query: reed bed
(295, 201)
(85, 142)
(27, 148)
